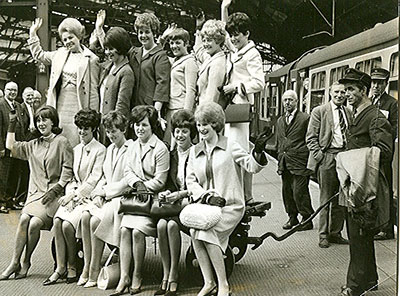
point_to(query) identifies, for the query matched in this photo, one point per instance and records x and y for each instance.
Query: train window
(394, 65)
(318, 80)
(337, 73)
(367, 65)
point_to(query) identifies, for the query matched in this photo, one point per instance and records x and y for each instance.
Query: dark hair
(50, 113)
(115, 119)
(141, 112)
(119, 39)
(238, 22)
(184, 119)
(179, 34)
(87, 118)
(361, 86)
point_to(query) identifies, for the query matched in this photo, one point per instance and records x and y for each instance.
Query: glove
(261, 140)
(216, 201)
(52, 194)
(12, 121)
(141, 190)
(128, 191)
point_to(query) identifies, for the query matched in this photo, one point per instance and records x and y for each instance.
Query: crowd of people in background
(118, 118)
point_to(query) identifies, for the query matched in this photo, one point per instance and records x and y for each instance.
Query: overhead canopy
(279, 28)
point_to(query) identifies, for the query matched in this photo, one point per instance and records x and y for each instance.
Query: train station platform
(293, 267)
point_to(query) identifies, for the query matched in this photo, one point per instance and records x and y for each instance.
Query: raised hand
(226, 3)
(36, 24)
(261, 140)
(200, 19)
(100, 19)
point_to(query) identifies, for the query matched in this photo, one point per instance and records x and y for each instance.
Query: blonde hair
(211, 113)
(214, 29)
(72, 26)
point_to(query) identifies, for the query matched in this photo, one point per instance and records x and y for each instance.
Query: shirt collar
(361, 107)
(11, 103)
(222, 144)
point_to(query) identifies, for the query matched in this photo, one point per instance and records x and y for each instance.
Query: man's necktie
(287, 118)
(342, 122)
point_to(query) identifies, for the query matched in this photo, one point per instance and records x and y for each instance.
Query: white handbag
(109, 274)
(200, 216)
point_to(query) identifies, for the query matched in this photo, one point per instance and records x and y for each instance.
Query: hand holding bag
(203, 216)
(109, 274)
(136, 202)
(164, 210)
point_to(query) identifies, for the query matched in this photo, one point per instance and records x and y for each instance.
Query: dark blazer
(172, 180)
(291, 144)
(371, 128)
(5, 120)
(119, 87)
(389, 104)
(320, 132)
(152, 75)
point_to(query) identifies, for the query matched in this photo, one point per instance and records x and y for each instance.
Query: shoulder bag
(109, 274)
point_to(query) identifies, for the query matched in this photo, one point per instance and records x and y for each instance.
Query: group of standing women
(77, 191)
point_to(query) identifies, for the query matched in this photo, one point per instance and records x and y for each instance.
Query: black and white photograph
(199, 147)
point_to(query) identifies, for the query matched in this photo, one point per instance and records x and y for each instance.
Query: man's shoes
(338, 239)
(346, 291)
(323, 243)
(3, 210)
(291, 223)
(307, 226)
(383, 236)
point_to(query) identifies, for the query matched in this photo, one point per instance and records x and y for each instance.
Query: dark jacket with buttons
(118, 89)
(152, 75)
(371, 128)
(291, 144)
(389, 104)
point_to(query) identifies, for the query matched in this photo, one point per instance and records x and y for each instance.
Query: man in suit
(326, 136)
(369, 128)
(7, 174)
(293, 153)
(389, 107)
(3, 208)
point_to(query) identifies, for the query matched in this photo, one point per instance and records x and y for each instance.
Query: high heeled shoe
(71, 279)
(136, 290)
(82, 281)
(4, 277)
(162, 290)
(122, 292)
(49, 281)
(172, 292)
(212, 292)
(90, 284)
(21, 275)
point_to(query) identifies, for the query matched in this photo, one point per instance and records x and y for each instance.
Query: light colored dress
(88, 161)
(50, 163)
(113, 183)
(225, 162)
(148, 163)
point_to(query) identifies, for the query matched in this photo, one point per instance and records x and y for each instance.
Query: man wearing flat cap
(388, 106)
(369, 128)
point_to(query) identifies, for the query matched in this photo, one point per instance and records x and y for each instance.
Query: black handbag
(164, 210)
(235, 113)
(135, 204)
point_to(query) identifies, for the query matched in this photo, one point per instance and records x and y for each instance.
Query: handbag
(235, 113)
(164, 210)
(132, 204)
(109, 274)
(200, 216)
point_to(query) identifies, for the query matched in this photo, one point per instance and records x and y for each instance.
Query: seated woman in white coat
(209, 162)
(101, 223)
(88, 160)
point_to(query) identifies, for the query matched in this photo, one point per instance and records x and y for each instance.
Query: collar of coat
(139, 52)
(222, 143)
(108, 65)
(181, 60)
(240, 53)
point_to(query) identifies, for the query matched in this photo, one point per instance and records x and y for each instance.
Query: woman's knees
(35, 224)
(24, 220)
(172, 226)
(162, 226)
(67, 228)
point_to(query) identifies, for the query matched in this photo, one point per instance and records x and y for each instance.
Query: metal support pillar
(42, 73)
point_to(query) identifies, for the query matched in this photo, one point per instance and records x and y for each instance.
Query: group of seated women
(77, 193)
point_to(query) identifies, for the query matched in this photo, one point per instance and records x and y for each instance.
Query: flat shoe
(161, 290)
(90, 284)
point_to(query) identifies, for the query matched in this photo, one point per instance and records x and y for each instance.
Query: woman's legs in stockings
(97, 250)
(86, 243)
(125, 253)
